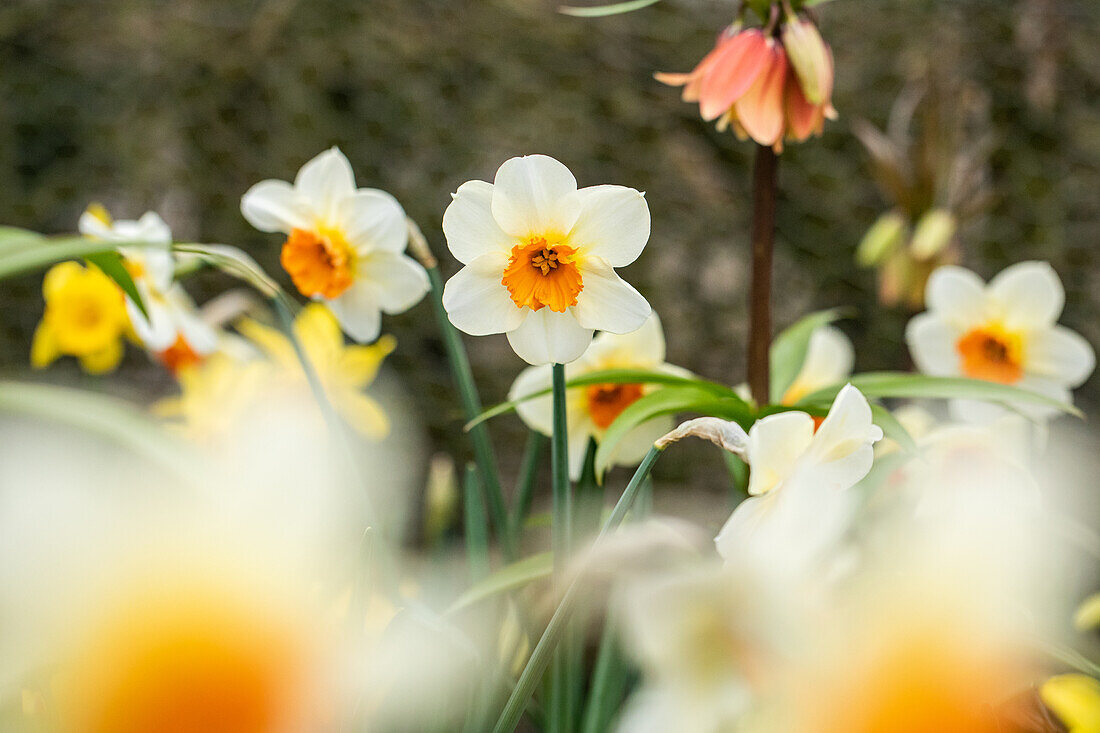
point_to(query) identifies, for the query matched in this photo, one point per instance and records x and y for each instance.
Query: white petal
(642, 348)
(829, 359)
(776, 442)
(1061, 355)
(1029, 295)
(536, 413)
(373, 220)
(535, 195)
(636, 444)
(932, 345)
(358, 311)
(957, 295)
(578, 450)
(399, 281)
(546, 337)
(325, 182)
(275, 206)
(477, 302)
(607, 302)
(613, 224)
(744, 524)
(151, 228)
(158, 331)
(841, 452)
(469, 225)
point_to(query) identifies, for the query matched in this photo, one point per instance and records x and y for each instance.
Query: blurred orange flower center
(179, 356)
(992, 354)
(319, 263)
(186, 667)
(540, 273)
(607, 401)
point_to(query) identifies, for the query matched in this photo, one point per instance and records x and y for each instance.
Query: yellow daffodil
(591, 410)
(1003, 332)
(540, 258)
(345, 246)
(1075, 699)
(85, 317)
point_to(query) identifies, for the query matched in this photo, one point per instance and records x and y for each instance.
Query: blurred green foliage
(180, 105)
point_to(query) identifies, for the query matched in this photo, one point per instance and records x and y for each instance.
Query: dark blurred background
(181, 105)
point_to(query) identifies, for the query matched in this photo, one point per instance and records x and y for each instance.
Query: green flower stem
(477, 526)
(561, 681)
(609, 680)
(540, 657)
(471, 406)
(525, 486)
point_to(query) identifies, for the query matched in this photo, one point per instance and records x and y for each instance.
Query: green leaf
(892, 429)
(12, 238)
(234, 261)
(609, 376)
(99, 415)
(902, 384)
(669, 401)
(601, 11)
(516, 575)
(811, 3)
(111, 264)
(17, 260)
(788, 351)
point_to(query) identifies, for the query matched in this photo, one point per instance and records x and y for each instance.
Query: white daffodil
(829, 360)
(794, 474)
(1003, 332)
(345, 246)
(591, 410)
(174, 332)
(539, 258)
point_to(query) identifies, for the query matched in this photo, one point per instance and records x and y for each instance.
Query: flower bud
(881, 239)
(810, 58)
(933, 233)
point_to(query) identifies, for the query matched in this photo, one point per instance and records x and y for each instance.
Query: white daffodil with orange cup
(590, 410)
(540, 258)
(173, 331)
(345, 246)
(1005, 331)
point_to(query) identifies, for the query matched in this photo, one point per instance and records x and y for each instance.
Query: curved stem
(764, 185)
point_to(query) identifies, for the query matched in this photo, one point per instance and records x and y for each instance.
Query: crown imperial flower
(539, 258)
(345, 246)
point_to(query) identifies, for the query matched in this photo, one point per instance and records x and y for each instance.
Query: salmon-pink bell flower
(764, 87)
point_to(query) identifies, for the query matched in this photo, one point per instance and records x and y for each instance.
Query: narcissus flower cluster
(766, 85)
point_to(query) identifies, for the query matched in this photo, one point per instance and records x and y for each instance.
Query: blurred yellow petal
(44, 349)
(1088, 614)
(318, 331)
(359, 364)
(104, 360)
(1075, 699)
(98, 211)
(59, 277)
(363, 414)
(269, 340)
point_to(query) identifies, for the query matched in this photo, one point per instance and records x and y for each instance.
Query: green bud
(810, 58)
(933, 233)
(880, 241)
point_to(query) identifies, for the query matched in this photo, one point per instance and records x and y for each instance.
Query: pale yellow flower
(1075, 699)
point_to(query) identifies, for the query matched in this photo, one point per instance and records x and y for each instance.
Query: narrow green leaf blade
(47, 251)
(602, 11)
(788, 351)
(516, 575)
(112, 266)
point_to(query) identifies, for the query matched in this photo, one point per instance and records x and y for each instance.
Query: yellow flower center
(540, 273)
(186, 664)
(991, 353)
(87, 313)
(319, 263)
(607, 401)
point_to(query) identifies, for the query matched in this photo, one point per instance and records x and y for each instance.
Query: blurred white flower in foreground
(345, 246)
(173, 331)
(539, 258)
(829, 360)
(590, 410)
(1004, 332)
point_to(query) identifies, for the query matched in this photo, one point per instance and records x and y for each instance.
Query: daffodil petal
(546, 337)
(364, 415)
(1060, 354)
(275, 206)
(399, 282)
(469, 225)
(607, 302)
(44, 349)
(360, 364)
(956, 294)
(1030, 294)
(535, 195)
(614, 224)
(358, 311)
(325, 182)
(932, 345)
(104, 360)
(776, 442)
(477, 302)
(536, 413)
(374, 220)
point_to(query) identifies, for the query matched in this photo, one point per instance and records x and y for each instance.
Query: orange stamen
(607, 401)
(543, 274)
(319, 264)
(992, 354)
(179, 356)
